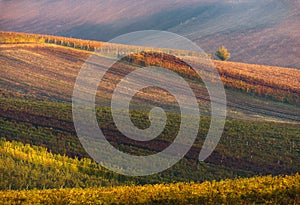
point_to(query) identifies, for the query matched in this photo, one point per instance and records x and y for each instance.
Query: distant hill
(260, 32)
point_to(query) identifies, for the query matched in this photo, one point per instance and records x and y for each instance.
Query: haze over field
(261, 32)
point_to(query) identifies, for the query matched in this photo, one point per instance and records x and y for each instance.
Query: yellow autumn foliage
(256, 190)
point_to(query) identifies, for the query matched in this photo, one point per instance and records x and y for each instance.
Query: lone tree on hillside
(223, 54)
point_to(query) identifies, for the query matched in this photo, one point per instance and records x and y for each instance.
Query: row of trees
(6, 37)
(72, 44)
(11, 37)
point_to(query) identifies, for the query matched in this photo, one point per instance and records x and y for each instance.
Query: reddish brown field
(48, 71)
(282, 84)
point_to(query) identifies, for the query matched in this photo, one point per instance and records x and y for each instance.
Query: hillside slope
(38, 73)
(47, 71)
(260, 32)
(246, 148)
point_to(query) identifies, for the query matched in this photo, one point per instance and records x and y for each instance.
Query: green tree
(223, 53)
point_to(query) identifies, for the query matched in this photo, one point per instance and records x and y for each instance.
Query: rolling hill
(261, 134)
(43, 158)
(260, 32)
(43, 162)
(40, 77)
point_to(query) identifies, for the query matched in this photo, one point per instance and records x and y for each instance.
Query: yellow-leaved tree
(223, 53)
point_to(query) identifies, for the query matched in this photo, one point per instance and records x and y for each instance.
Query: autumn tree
(223, 53)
